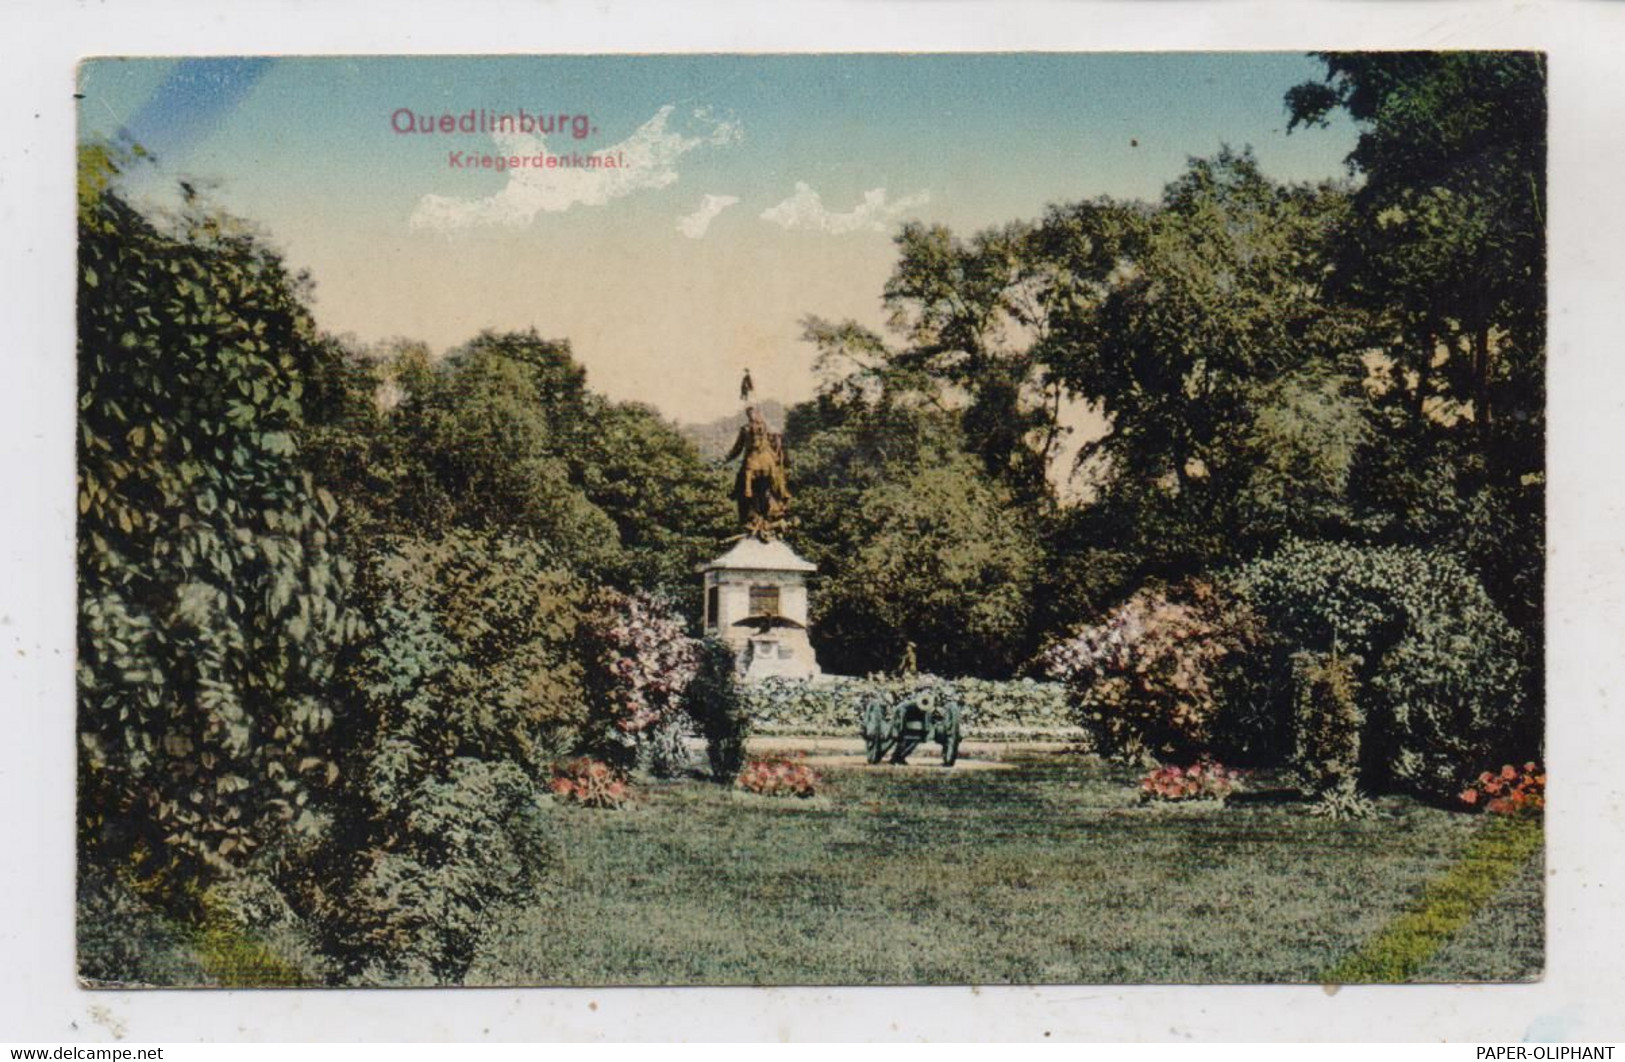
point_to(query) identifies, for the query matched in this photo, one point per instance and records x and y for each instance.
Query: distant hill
(714, 437)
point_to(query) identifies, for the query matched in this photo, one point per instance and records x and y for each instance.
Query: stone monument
(756, 601)
(756, 592)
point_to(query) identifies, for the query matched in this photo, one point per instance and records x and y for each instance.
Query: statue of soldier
(761, 489)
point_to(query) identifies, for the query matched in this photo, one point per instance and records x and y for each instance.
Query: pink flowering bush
(590, 783)
(779, 776)
(1509, 791)
(1204, 780)
(1148, 680)
(642, 662)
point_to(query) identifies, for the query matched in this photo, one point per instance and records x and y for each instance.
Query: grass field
(1038, 869)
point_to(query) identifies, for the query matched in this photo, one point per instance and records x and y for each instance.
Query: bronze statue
(760, 489)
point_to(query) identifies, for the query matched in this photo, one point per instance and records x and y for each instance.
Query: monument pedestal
(756, 601)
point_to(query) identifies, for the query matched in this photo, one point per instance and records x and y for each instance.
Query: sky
(754, 190)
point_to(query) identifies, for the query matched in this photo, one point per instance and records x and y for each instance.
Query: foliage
(940, 561)
(779, 776)
(834, 705)
(503, 435)
(125, 941)
(668, 507)
(1327, 723)
(210, 595)
(410, 901)
(1446, 246)
(468, 444)
(1299, 452)
(1448, 232)
(466, 690)
(1201, 331)
(640, 661)
(1150, 680)
(1510, 791)
(1438, 662)
(474, 650)
(590, 783)
(1203, 780)
(716, 702)
(1342, 804)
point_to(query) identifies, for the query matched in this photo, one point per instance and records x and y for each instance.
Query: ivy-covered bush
(1438, 673)
(1151, 680)
(1014, 710)
(211, 598)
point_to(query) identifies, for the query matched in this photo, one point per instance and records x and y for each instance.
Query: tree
(503, 435)
(1449, 236)
(484, 441)
(1446, 244)
(943, 560)
(1201, 331)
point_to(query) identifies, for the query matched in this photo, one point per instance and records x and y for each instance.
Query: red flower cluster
(590, 783)
(779, 776)
(1205, 780)
(1510, 792)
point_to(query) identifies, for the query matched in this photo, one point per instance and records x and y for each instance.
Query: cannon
(902, 727)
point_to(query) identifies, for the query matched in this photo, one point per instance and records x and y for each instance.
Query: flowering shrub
(1147, 680)
(1510, 791)
(590, 783)
(642, 662)
(1204, 780)
(779, 777)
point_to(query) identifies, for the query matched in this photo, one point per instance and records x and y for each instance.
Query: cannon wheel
(875, 733)
(950, 740)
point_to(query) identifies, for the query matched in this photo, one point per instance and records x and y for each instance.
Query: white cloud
(649, 156)
(806, 210)
(694, 225)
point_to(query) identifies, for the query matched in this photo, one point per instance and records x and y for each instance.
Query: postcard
(1004, 518)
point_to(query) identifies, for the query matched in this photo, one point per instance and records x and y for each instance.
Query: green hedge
(1017, 710)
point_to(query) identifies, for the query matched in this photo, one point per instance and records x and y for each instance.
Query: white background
(1583, 995)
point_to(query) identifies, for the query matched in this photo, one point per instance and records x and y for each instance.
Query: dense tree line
(1358, 361)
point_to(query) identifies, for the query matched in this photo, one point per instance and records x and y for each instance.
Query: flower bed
(1510, 791)
(779, 777)
(1200, 781)
(1015, 710)
(590, 783)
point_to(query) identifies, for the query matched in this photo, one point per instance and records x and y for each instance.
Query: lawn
(1038, 869)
